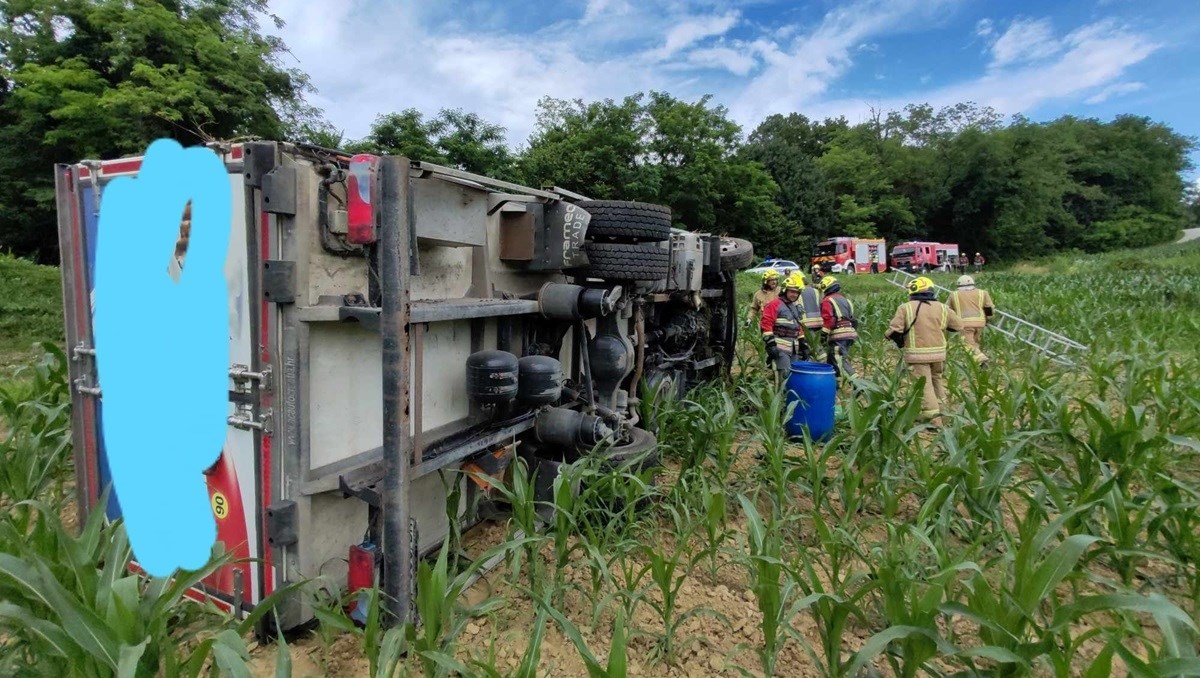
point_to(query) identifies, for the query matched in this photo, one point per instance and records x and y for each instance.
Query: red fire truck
(845, 254)
(918, 256)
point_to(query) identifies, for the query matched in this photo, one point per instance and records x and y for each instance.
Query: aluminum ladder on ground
(1059, 348)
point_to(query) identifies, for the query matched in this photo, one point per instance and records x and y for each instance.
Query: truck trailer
(392, 322)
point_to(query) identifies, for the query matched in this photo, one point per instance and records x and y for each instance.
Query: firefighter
(839, 327)
(874, 261)
(919, 330)
(810, 301)
(979, 262)
(763, 296)
(783, 327)
(974, 306)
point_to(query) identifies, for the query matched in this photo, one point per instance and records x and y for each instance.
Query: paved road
(1190, 234)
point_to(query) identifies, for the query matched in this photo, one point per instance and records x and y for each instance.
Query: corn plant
(617, 663)
(833, 593)
(70, 606)
(770, 581)
(769, 430)
(35, 421)
(668, 570)
(433, 639)
(530, 658)
(912, 591)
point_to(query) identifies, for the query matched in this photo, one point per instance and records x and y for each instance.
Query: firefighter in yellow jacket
(919, 330)
(974, 306)
(762, 296)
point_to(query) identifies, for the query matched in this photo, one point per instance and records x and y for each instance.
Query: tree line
(103, 78)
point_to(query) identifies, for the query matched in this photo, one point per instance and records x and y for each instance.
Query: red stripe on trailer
(83, 305)
(194, 593)
(265, 345)
(120, 167)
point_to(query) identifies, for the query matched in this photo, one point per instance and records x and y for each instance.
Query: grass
(1050, 527)
(30, 310)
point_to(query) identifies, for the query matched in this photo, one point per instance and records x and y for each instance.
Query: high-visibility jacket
(759, 301)
(782, 323)
(837, 318)
(810, 298)
(926, 323)
(973, 306)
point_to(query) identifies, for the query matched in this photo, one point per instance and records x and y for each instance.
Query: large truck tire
(736, 254)
(618, 261)
(626, 221)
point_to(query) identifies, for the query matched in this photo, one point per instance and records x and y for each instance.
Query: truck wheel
(616, 261)
(637, 454)
(626, 221)
(736, 254)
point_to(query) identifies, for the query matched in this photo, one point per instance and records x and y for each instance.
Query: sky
(1089, 58)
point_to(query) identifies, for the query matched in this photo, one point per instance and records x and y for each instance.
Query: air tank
(539, 381)
(492, 377)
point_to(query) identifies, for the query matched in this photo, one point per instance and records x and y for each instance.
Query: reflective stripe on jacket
(970, 305)
(926, 322)
(811, 299)
(837, 315)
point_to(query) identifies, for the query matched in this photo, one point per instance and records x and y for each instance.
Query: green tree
(101, 78)
(453, 137)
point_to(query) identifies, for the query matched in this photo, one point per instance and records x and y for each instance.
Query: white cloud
(1115, 90)
(1094, 57)
(801, 72)
(612, 48)
(1026, 40)
(984, 28)
(738, 62)
(693, 30)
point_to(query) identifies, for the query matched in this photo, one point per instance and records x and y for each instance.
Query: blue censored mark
(162, 350)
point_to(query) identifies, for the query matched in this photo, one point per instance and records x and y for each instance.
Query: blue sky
(1090, 58)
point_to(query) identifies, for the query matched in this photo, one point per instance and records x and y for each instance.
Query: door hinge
(245, 419)
(243, 378)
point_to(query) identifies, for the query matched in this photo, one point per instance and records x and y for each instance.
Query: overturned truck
(391, 319)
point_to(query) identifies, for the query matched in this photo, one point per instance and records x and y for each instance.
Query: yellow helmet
(919, 285)
(769, 274)
(795, 281)
(829, 284)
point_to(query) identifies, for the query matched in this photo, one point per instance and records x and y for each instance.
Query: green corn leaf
(879, 642)
(1190, 443)
(391, 652)
(1162, 609)
(1054, 568)
(130, 656)
(447, 663)
(51, 634)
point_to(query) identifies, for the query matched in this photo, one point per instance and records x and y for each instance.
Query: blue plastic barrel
(813, 387)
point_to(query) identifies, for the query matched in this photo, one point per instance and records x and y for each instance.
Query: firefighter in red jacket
(783, 326)
(839, 326)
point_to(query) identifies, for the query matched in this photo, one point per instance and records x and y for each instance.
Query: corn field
(1051, 527)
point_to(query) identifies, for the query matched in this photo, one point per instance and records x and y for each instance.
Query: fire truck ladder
(1057, 347)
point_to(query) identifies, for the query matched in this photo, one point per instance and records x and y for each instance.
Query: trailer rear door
(234, 491)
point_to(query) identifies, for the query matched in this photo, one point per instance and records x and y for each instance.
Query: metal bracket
(258, 158)
(279, 281)
(246, 421)
(243, 377)
(281, 523)
(279, 191)
(81, 385)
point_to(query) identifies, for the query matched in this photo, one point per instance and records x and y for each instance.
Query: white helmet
(965, 281)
